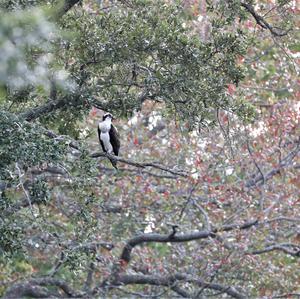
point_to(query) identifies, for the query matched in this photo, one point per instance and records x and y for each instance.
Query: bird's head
(107, 116)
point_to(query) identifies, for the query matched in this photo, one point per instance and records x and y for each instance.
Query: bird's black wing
(99, 136)
(114, 139)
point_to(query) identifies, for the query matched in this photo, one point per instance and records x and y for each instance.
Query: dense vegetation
(206, 198)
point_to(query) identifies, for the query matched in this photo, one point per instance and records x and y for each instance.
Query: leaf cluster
(25, 143)
(127, 55)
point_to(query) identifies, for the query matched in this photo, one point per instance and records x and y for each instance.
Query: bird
(109, 137)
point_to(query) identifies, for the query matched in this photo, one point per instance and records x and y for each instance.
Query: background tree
(206, 200)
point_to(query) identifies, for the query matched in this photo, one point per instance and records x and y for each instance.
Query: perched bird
(109, 137)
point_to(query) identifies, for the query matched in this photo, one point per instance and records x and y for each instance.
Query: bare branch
(140, 164)
(140, 172)
(262, 22)
(23, 188)
(282, 218)
(233, 226)
(189, 198)
(281, 247)
(286, 161)
(34, 288)
(153, 237)
(89, 278)
(287, 295)
(255, 163)
(170, 280)
(140, 295)
(177, 238)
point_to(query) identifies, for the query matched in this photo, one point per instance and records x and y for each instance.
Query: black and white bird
(109, 137)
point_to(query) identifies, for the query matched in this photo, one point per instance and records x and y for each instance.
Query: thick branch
(172, 279)
(65, 7)
(177, 238)
(262, 22)
(33, 288)
(44, 109)
(147, 238)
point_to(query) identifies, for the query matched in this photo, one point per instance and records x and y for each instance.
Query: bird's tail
(112, 160)
(113, 163)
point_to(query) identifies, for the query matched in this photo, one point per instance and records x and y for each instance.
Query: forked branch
(263, 23)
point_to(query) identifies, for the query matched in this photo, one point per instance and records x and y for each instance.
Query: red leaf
(231, 89)
(123, 264)
(166, 194)
(93, 112)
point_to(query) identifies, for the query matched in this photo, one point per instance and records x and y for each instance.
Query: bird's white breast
(104, 127)
(106, 141)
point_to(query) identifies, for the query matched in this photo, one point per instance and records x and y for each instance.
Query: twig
(89, 279)
(188, 200)
(23, 188)
(261, 201)
(207, 221)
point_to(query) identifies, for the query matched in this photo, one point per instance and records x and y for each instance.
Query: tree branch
(44, 109)
(286, 161)
(65, 7)
(262, 22)
(281, 247)
(171, 280)
(153, 237)
(33, 288)
(139, 164)
(178, 238)
(139, 172)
